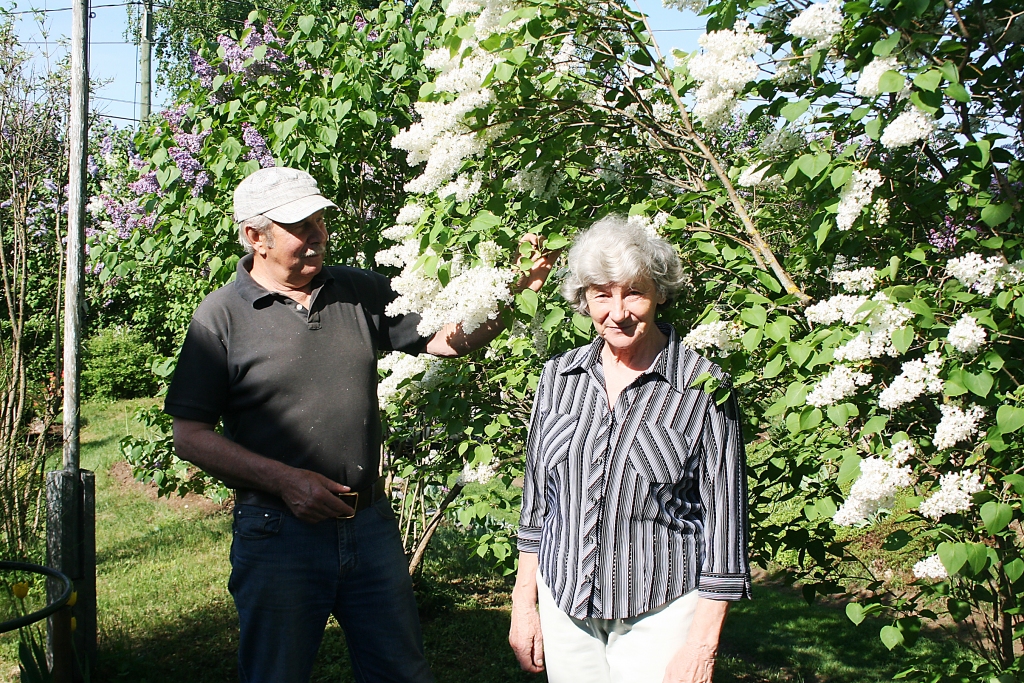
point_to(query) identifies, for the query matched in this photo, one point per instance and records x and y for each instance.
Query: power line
(111, 116)
(92, 42)
(112, 99)
(68, 9)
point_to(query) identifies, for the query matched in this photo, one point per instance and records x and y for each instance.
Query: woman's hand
(692, 663)
(525, 637)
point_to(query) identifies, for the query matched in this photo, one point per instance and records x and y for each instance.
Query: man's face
(297, 248)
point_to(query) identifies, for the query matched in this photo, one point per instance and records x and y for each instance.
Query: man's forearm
(236, 466)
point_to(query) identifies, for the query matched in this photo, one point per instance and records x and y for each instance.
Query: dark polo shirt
(295, 385)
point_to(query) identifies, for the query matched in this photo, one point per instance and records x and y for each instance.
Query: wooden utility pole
(145, 62)
(70, 493)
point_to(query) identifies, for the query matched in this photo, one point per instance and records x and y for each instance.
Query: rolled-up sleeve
(725, 571)
(531, 517)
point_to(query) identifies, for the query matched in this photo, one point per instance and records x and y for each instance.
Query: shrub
(117, 362)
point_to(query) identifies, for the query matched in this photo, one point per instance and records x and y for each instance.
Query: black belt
(357, 500)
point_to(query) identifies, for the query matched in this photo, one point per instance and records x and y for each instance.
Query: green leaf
(306, 23)
(840, 176)
(891, 636)
(1014, 569)
(850, 469)
(896, 540)
(794, 110)
(995, 214)
(873, 128)
(958, 609)
(809, 419)
(996, 516)
(813, 165)
(1009, 419)
(755, 316)
(799, 352)
(892, 81)
(231, 148)
(958, 92)
(839, 414)
(796, 394)
(773, 367)
(504, 71)
(855, 613)
(874, 426)
(929, 80)
(902, 338)
(369, 117)
(953, 556)
(979, 384)
(528, 301)
(315, 48)
(885, 46)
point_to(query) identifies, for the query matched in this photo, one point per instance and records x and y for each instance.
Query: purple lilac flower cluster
(107, 146)
(146, 184)
(237, 54)
(204, 72)
(258, 150)
(945, 238)
(175, 116)
(191, 142)
(125, 218)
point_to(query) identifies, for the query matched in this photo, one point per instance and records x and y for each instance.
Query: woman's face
(623, 314)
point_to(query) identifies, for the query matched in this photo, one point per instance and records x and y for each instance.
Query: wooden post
(71, 548)
(145, 62)
(70, 493)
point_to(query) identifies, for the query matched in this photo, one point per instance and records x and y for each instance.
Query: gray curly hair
(614, 250)
(260, 224)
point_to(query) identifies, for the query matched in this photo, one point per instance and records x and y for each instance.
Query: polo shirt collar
(252, 291)
(667, 364)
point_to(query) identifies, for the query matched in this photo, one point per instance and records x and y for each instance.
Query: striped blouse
(631, 508)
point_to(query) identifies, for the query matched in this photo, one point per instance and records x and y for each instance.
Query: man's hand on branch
(531, 247)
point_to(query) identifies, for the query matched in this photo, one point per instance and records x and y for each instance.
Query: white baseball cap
(284, 195)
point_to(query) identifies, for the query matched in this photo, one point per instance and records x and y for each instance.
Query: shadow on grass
(777, 636)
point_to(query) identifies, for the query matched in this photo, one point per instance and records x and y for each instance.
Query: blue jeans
(287, 576)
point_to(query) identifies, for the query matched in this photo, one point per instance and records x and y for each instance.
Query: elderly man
(286, 356)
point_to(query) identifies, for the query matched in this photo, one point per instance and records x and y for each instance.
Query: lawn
(165, 613)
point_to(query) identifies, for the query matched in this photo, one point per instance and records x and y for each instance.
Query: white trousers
(635, 650)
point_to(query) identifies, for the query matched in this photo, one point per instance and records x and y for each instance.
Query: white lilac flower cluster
(441, 137)
(481, 474)
(781, 141)
(876, 341)
(841, 382)
(855, 196)
(876, 487)
(966, 335)
(788, 72)
(880, 212)
(402, 367)
(916, 377)
(695, 6)
(536, 181)
(404, 227)
(985, 275)
(471, 298)
(857, 280)
(954, 494)
(839, 307)
(718, 335)
(723, 68)
(931, 567)
(956, 425)
(752, 176)
(909, 127)
(652, 225)
(871, 75)
(819, 23)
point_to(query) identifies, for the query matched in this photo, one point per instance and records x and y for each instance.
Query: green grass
(165, 613)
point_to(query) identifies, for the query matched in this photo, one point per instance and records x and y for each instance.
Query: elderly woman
(633, 534)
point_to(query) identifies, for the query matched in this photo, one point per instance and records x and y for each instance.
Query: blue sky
(114, 60)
